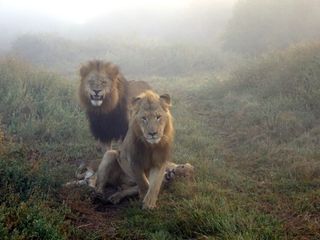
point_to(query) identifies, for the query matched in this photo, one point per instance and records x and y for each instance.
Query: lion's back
(135, 88)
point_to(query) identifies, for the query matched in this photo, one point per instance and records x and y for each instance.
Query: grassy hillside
(266, 115)
(252, 137)
(270, 105)
(136, 57)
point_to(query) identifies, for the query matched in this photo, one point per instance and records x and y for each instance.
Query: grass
(29, 208)
(215, 205)
(253, 139)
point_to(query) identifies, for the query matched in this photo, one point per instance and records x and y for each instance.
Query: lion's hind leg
(109, 172)
(127, 192)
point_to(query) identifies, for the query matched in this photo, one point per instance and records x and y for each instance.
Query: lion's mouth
(153, 140)
(96, 100)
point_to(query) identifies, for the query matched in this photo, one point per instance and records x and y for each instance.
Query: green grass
(29, 205)
(37, 147)
(253, 139)
(41, 109)
(215, 204)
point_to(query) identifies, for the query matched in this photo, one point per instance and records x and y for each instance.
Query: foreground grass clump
(29, 206)
(33, 203)
(212, 216)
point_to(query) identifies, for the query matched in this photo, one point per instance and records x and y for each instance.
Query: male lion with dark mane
(140, 164)
(105, 95)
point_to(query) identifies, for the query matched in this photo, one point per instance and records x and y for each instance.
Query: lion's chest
(106, 127)
(147, 157)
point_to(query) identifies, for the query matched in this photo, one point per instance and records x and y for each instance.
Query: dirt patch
(92, 215)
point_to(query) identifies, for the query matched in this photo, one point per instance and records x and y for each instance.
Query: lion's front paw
(115, 198)
(149, 203)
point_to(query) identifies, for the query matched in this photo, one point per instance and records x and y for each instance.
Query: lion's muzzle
(153, 138)
(96, 100)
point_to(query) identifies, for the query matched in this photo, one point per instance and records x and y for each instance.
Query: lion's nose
(152, 134)
(97, 91)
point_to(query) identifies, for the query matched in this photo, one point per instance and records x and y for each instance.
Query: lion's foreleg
(155, 180)
(141, 180)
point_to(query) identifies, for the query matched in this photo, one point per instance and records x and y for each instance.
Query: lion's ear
(84, 70)
(165, 98)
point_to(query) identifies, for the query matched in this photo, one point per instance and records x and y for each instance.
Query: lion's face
(151, 113)
(97, 86)
(98, 82)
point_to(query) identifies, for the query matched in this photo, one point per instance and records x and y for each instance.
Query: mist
(121, 27)
(150, 37)
(151, 21)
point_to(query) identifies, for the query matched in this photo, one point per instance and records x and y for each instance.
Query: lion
(139, 165)
(105, 95)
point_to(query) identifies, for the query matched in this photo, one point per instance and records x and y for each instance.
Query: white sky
(81, 11)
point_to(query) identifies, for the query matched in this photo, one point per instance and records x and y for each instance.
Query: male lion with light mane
(105, 95)
(140, 164)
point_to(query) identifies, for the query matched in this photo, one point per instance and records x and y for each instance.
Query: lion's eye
(158, 117)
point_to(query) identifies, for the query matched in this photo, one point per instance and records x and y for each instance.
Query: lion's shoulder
(136, 87)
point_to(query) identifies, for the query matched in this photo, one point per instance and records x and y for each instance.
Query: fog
(153, 37)
(91, 19)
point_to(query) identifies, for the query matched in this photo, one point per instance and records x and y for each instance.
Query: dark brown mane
(113, 125)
